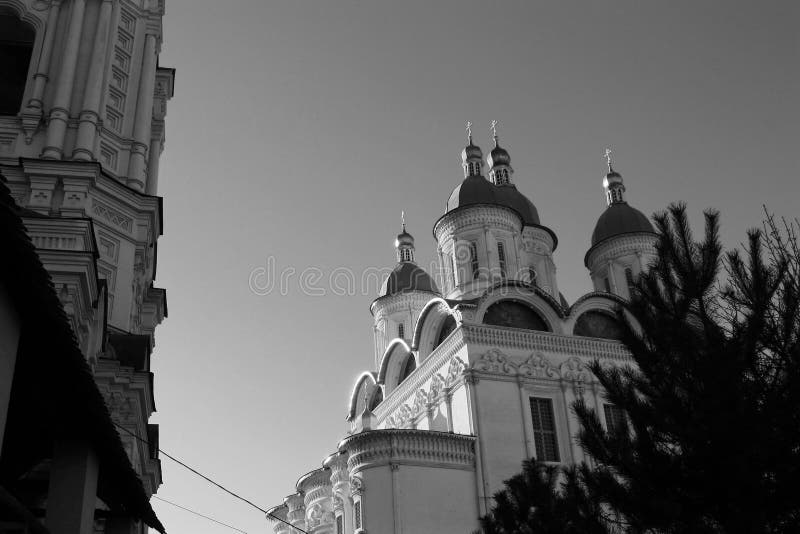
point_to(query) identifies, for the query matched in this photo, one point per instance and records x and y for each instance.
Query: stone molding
(535, 366)
(613, 248)
(514, 338)
(479, 215)
(409, 447)
(404, 392)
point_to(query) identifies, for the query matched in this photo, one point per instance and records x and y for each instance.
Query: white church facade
(475, 374)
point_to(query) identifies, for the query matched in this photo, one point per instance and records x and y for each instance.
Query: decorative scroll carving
(454, 370)
(537, 366)
(356, 486)
(437, 385)
(574, 370)
(420, 399)
(494, 361)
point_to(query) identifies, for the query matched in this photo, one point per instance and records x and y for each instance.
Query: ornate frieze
(514, 338)
(409, 447)
(497, 217)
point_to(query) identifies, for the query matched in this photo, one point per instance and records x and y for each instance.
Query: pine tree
(713, 402)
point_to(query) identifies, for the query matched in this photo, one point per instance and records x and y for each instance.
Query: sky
(299, 130)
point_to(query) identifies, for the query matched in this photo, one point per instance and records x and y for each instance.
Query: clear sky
(299, 130)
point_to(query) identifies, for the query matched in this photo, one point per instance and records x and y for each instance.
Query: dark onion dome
(508, 195)
(404, 238)
(479, 190)
(498, 156)
(471, 151)
(620, 218)
(407, 276)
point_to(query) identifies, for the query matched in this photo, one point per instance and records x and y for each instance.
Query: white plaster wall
(460, 410)
(435, 500)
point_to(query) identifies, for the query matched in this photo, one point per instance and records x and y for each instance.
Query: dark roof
(407, 276)
(54, 394)
(479, 190)
(620, 218)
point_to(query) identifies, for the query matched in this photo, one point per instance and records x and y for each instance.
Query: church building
(475, 374)
(83, 101)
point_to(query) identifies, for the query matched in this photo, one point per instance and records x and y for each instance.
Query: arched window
(501, 258)
(515, 315)
(377, 398)
(16, 46)
(629, 279)
(401, 331)
(473, 259)
(446, 329)
(532, 277)
(411, 364)
(594, 323)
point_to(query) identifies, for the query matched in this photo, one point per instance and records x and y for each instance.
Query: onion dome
(471, 156)
(498, 156)
(471, 152)
(619, 217)
(509, 196)
(407, 276)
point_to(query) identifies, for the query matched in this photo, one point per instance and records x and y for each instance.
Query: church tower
(403, 294)
(82, 107)
(490, 232)
(623, 241)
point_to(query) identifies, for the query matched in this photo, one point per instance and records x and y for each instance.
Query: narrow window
(501, 257)
(473, 259)
(357, 514)
(532, 276)
(401, 331)
(607, 284)
(629, 279)
(544, 429)
(453, 265)
(339, 525)
(16, 46)
(615, 418)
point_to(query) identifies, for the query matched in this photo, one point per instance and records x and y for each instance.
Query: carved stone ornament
(356, 485)
(537, 366)
(455, 370)
(419, 402)
(574, 370)
(494, 361)
(437, 384)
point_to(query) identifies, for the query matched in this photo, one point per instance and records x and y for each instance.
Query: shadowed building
(82, 107)
(477, 373)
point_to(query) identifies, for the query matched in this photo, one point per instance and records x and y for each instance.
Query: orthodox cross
(494, 129)
(469, 129)
(403, 219)
(607, 155)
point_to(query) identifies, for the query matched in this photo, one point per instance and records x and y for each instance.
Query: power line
(199, 514)
(220, 486)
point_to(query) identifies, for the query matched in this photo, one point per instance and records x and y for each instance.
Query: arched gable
(366, 382)
(393, 363)
(595, 315)
(547, 309)
(435, 319)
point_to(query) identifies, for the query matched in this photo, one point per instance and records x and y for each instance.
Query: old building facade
(82, 115)
(477, 373)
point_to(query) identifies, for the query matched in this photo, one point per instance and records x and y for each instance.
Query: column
(90, 114)
(144, 115)
(73, 488)
(31, 116)
(156, 144)
(59, 113)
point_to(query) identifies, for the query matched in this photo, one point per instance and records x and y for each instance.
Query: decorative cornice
(477, 215)
(514, 338)
(620, 245)
(409, 447)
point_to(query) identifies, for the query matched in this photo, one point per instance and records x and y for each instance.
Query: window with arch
(446, 329)
(377, 398)
(401, 331)
(408, 368)
(596, 323)
(514, 314)
(405, 254)
(473, 259)
(607, 285)
(16, 47)
(532, 277)
(357, 514)
(339, 524)
(501, 258)
(629, 279)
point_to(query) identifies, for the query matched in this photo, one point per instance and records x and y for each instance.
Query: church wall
(435, 500)
(460, 409)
